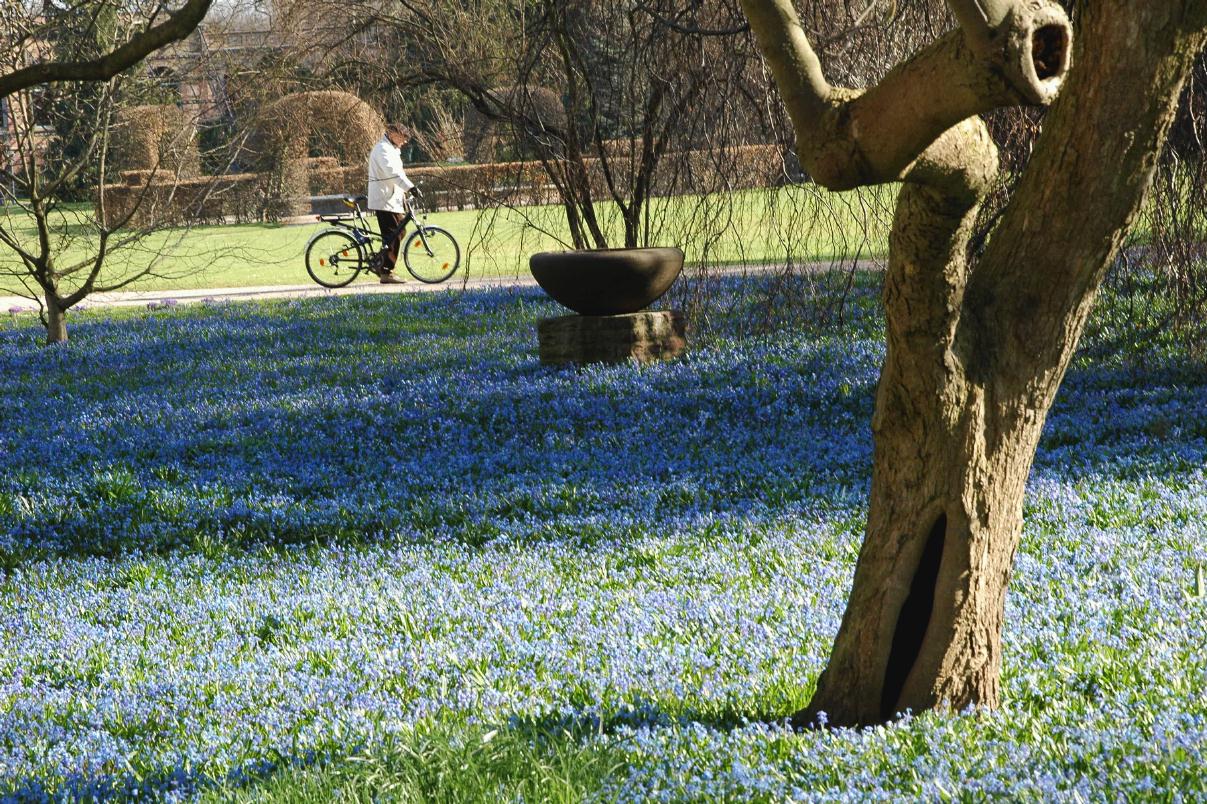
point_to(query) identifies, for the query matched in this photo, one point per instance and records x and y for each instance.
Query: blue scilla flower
(293, 530)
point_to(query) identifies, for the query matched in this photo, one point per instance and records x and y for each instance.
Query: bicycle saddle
(359, 201)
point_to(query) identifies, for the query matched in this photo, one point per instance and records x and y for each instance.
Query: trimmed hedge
(207, 199)
(333, 122)
(156, 138)
(484, 137)
(251, 196)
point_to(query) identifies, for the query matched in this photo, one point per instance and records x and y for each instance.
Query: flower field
(249, 548)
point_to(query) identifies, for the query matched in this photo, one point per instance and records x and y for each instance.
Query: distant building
(202, 72)
(198, 69)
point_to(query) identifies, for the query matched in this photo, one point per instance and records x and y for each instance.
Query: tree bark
(975, 353)
(56, 320)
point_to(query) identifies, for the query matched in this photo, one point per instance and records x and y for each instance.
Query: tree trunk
(923, 623)
(56, 321)
(950, 464)
(974, 359)
(631, 216)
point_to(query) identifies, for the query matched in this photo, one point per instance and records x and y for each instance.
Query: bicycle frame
(362, 231)
(361, 253)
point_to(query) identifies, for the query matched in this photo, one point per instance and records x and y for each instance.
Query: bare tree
(1166, 263)
(55, 251)
(976, 349)
(635, 84)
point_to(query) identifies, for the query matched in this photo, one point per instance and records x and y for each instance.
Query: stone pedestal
(644, 337)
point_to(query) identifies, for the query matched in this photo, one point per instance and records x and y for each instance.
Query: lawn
(757, 226)
(372, 548)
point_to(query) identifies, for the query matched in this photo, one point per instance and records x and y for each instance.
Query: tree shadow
(1126, 421)
(238, 430)
(385, 449)
(642, 714)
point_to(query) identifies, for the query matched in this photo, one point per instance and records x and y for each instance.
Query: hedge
(256, 196)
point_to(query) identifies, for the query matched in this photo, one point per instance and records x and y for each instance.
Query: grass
(756, 226)
(463, 763)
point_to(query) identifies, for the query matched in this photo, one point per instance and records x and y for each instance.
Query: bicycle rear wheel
(334, 258)
(431, 254)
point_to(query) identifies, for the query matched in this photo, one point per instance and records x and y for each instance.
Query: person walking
(388, 188)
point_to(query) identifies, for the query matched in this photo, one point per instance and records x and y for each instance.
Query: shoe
(390, 279)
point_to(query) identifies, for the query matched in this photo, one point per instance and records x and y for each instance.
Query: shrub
(156, 138)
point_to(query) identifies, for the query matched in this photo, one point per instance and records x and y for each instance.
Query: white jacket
(388, 182)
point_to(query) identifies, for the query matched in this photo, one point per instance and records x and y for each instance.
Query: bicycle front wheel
(431, 254)
(334, 258)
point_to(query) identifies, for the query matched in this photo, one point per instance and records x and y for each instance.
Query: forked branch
(1017, 54)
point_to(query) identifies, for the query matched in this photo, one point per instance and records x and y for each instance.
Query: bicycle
(336, 255)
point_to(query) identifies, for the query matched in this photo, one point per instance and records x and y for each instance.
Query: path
(144, 298)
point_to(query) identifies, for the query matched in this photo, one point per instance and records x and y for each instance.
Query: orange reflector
(446, 266)
(322, 261)
(344, 253)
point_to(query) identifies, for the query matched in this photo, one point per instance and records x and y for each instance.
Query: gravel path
(136, 298)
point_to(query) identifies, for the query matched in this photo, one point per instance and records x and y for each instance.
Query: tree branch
(1040, 271)
(691, 30)
(793, 62)
(1029, 40)
(846, 138)
(176, 27)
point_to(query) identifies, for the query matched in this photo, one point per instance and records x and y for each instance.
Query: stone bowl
(611, 281)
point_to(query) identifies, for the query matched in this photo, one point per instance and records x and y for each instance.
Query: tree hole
(1049, 47)
(913, 620)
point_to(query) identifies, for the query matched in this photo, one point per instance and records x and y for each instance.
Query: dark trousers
(390, 224)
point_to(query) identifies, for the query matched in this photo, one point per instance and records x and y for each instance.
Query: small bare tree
(57, 80)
